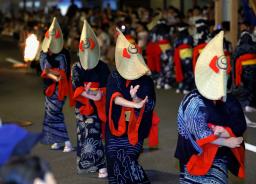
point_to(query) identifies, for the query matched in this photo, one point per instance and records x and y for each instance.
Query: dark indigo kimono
(195, 112)
(54, 128)
(89, 120)
(122, 153)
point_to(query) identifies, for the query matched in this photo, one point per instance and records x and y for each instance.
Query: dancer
(55, 65)
(245, 73)
(183, 60)
(211, 123)
(130, 105)
(89, 79)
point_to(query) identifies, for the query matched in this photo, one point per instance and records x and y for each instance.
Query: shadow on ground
(156, 177)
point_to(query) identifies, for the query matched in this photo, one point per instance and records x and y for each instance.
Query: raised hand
(133, 91)
(220, 131)
(87, 87)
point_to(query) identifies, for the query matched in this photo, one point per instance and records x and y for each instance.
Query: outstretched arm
(131, 104)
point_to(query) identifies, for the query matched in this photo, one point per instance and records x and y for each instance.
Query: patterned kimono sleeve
(43, 61)
(196, 119)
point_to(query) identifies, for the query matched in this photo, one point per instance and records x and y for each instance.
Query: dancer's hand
(220, 131)
(140, 104)
(134, 90)
(233, 142)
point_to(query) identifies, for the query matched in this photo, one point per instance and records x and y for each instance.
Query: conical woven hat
(129, 61)
(89, 49)
(211, 70)
(53, 39)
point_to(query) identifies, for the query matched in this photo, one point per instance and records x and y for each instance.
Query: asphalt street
(21, 98)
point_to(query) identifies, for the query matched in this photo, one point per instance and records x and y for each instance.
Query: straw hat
(129, 61)
(53, 39)
(211, 70)
(89, 49)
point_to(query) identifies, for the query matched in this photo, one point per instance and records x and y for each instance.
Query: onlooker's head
(15, 141)
(26, 170)
(244, 26)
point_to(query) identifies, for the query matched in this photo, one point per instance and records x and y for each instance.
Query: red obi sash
(246, 59)
(63, 87)
(201, 164)
(177, 61)
(196, 52)
(153, 53)
(87, 108)
(133, 124)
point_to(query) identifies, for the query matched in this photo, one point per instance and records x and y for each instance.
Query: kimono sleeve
(196, 119)
(44, 64)
(237, 121)
(147, 89)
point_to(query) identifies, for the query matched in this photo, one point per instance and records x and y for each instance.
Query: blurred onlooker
(16, 141)
(26, 170)
(142, 35)
(104, 42)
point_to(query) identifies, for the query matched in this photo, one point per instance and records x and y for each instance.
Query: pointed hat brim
(129, 62)
(211, 70)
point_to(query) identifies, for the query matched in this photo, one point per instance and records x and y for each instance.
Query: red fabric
(133, 124)
(239, 68)
(177, 62)
(93, 84)
(63, 87)
(101, 106)
(153, 140)
(196, 53)
(200, 164)
(121, 124)
(239, 153)
(163, 42)
(86, 109)
(153, 53)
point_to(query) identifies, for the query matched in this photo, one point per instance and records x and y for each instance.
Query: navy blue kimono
(195, 112)
(123, 150)
(89, 116)
(54, 128)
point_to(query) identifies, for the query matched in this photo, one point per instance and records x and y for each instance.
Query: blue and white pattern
(123, 167)
(90, 150)
(192, 119)
(216, 175)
